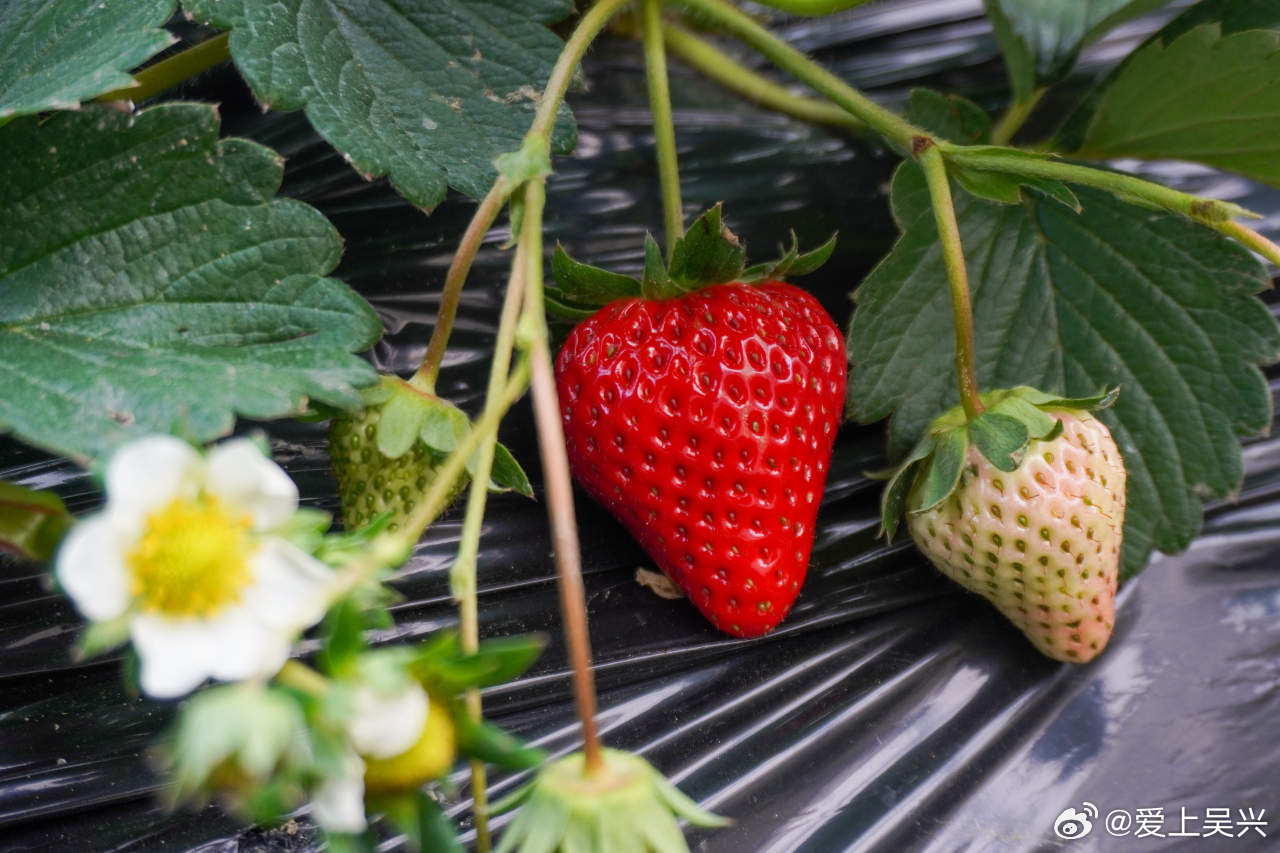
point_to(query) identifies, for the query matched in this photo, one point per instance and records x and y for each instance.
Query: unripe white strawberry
(1041, 543)
(1024, 505)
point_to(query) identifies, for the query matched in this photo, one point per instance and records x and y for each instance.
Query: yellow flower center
(192, 558)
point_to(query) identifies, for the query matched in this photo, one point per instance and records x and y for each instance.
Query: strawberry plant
(1067, 356)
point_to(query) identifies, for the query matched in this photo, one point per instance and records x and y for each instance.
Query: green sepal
(1011, 419)
(489, 743)
(893, 500)
(507, 475)
(625, 806)
(446, 670)
(656, 283)
(341, 638)
(708, 253)
(791, 263)
(1000, 438)
(98, 638)
(424, 824)
(587, 285)
(32, 522)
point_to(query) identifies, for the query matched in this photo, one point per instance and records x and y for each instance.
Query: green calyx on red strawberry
(1023, 504)
(700, 406)
(386, 456)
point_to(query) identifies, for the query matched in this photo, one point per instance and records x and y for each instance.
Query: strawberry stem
(490, 206)
(935, 172)
(888, 124)
(462, 577)
(555, 466)
(1015, 116)
(173, 70)
(707, 58)
(664, 134)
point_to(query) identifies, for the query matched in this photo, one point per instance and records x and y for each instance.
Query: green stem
(1253, 240)
(169, 72)
(462, 577)
(1015, 116)
(1211, 212)
(589, 26)
(705, 57)
(451, 294)
(935, 172)
(302, 678)
(664, 132)
(555, 467)
(888, 124)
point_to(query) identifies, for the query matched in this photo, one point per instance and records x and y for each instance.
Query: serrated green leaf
(942, 472)
(55, 55)
(1000, 438)
(32, 521)
(708, 253)
(507, 475)
(1069, 303)
(1231, 16)
(952, 117)
(427, 92)
(588, 285)
(1219, 79)
(152, 284)
(1041, 38)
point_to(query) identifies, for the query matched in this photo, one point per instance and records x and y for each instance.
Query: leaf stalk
(169, 72)
(944, 214)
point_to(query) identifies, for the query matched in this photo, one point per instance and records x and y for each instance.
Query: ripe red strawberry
(1032, 519)
(704, 423)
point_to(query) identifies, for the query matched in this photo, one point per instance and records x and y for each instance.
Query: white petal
(384, 726)
(92, 570)
(291, 589)
(176, 654)
(252, 483)
(338, 805)
(246, 648)
(149, 473)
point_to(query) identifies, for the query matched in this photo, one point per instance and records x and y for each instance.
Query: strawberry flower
(382, 727)
(188, 551)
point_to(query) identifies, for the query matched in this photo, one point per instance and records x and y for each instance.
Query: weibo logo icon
(1072, 824)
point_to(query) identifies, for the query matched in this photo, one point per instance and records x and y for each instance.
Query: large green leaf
(428, 92)
(148, 282)
(1208, 93)
(1115, 295)
(55, 55)
(1041, 38)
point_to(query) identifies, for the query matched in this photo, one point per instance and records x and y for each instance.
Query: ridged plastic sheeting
(891, 712)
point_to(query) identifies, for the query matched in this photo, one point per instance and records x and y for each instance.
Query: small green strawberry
(1023, 505)
(387, 455)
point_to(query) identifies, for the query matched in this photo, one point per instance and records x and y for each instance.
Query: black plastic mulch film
(891, 712)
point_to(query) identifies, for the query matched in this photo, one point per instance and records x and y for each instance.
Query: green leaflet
(1113, 296)
(1041, 38)
(53, 55)
(152, 284)
(427, 92)
(1218, 79)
